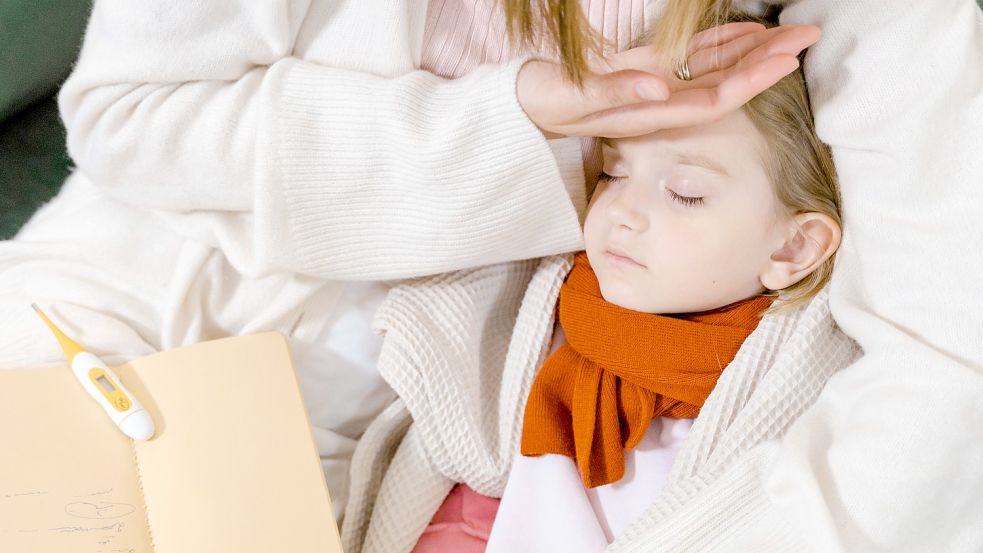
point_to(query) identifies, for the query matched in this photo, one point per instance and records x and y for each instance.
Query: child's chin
(615, 295)
(630, 299)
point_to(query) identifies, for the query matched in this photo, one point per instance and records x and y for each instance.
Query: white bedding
(340, 383)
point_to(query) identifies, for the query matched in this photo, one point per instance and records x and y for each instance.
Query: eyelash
(685, 200)
(688, 201)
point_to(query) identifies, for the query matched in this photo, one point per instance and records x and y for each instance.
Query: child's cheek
(594, 221)
(682, 255)
(683, 237)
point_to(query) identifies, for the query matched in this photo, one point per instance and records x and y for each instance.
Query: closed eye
(604, 177)
(688, 201)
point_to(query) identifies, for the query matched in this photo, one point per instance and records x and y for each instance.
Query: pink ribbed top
(463, 34)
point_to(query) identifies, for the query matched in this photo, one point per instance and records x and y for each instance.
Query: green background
(39, 41)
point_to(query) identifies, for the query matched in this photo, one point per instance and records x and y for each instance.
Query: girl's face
(687, 220)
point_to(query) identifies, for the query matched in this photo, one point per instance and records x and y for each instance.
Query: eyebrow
(698, 160)
(693, 159)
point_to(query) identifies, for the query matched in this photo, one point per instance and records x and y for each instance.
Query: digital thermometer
(104, 386)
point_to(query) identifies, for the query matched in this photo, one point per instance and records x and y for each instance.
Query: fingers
(732, 63)
(621, 88)
(644, 58)
(691, 106)
(721, 48)
(722, 56)
(789, 43)
(702, 105)
(740, 87)
(722, 34)
(556, 106)
(754, 47)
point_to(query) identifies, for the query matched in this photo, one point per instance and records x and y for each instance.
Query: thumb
(622, 88)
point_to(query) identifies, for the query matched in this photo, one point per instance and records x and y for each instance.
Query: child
(691, 235)
(686, 237)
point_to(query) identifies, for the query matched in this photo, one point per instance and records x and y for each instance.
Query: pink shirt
(463, 34)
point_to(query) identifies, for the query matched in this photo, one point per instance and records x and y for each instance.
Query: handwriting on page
(91, 521)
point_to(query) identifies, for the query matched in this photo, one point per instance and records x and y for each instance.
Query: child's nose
(627, 210)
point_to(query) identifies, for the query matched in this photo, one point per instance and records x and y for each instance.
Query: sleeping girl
(690, 236)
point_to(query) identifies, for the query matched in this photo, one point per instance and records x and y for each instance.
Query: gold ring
(682, 71)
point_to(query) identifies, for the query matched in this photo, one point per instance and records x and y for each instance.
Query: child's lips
(620, 257)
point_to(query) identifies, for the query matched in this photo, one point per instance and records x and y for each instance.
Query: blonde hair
(798, 164)
(800, 167)
(680, 20)
(561, 27)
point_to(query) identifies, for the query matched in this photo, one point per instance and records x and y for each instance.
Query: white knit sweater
(786, 455)
(241, 162)
(297, 135)
(243, 96)
(251, 158)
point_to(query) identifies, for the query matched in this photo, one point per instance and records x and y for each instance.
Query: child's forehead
(715, 144)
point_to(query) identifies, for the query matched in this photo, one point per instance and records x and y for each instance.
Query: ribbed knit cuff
(390, 178)
(569, 156)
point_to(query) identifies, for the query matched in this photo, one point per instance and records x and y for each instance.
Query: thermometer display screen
(106, 384)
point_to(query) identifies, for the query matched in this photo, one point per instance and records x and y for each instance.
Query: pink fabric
(462, 524)
(462, 34)
(459, 36)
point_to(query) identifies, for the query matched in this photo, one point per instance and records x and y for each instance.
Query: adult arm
(353, 165)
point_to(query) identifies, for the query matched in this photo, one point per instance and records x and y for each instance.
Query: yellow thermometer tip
(69, 346)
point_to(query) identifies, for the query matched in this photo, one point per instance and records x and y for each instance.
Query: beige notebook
(232, 467)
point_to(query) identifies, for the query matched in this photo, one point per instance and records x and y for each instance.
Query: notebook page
(68, 480)
(233, 466)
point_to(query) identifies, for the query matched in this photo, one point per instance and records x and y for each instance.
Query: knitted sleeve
(298, 135)
(888, 458)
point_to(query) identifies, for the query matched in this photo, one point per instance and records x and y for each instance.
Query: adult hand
(633, 95)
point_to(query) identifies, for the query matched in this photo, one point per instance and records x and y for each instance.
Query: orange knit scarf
(596, 396)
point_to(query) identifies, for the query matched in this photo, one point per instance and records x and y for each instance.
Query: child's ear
(811, 238)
